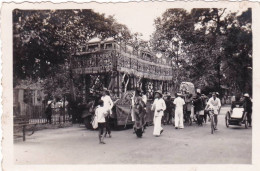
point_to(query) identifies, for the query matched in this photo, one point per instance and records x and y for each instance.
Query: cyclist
(214, 103)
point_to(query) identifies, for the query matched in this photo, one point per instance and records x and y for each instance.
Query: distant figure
(199, 109)
(188, 102)
(233, 98)
(108, 105)
(144, 97)
(100, 114)
(236, 103)
(248, 108)
(169, 108)
(48, 112)
(179, 102)
(158, 107)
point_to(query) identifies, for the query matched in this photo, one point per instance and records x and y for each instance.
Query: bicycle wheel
(212, 124)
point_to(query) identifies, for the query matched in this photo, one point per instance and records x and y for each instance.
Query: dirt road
(191, 145)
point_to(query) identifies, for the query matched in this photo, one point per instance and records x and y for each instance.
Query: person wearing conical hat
(158, 107)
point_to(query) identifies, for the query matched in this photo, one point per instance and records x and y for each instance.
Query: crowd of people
(183, 107)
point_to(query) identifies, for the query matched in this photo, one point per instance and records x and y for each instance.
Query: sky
(137, 18)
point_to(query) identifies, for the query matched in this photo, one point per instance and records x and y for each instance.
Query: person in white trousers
(179, 102)
(158, 107)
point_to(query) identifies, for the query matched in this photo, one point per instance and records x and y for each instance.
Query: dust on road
(191, 145)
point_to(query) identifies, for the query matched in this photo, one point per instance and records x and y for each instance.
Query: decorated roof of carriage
(121, 57)
(94, 40)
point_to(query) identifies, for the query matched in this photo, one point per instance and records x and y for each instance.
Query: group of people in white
(105, 104)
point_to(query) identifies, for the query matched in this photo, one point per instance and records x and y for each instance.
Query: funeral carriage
(121, 69)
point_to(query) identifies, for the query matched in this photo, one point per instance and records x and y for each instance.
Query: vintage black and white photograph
(132, 85)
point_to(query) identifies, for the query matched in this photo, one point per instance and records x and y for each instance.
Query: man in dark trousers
(169, 109)
(48, 113)
(248, 108)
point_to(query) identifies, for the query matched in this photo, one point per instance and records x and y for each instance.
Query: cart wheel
(227, 120)
(246, 123)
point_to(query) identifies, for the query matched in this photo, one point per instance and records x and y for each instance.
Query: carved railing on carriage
(104, 56)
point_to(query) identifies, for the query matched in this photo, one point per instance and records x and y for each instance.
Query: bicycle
(212, 121)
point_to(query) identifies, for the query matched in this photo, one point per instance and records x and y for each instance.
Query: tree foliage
(45, 40)
(209, 47)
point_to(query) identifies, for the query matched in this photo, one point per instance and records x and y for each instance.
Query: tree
(237, 66)
(45, 40)
(168, 39)
(199, 42)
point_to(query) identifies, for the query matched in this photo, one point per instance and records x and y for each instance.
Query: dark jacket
(247, 105)
(169, 105)
(48, 110)
(198, 104)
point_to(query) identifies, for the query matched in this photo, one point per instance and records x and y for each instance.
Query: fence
(59, 115)
(36, 114)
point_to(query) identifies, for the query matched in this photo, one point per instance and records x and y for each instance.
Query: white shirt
(108, 103)
(215, 104)
(158, 104)
(179, 102)
(144, 98)
(100, 113)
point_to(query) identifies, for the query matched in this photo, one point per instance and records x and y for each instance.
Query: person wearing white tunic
(215, 104)
(158, 107)
(108, 105)
(179, 102)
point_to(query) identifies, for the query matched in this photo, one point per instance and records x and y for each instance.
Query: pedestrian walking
(158, 107)
(169, 108)
(108, 105)
(144, 99)
(248, 108)
(199, 109)
(100, 113)
(139, 113)
(48, 112)
(188, 102)
(179, 102)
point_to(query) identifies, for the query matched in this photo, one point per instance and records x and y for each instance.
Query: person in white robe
(158, 107)
(108, 105)
(179, 102)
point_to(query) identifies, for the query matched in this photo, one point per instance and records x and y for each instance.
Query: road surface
(191, 145)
